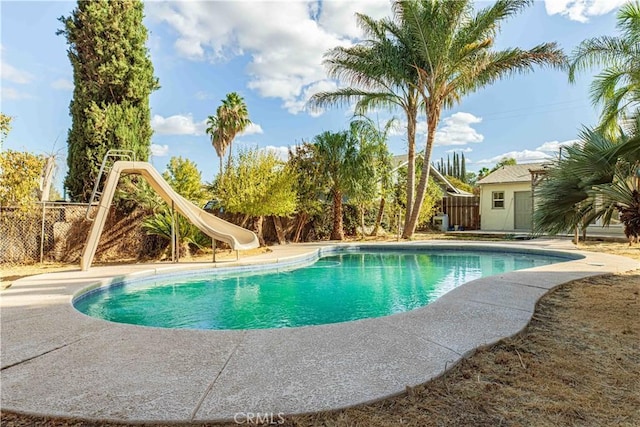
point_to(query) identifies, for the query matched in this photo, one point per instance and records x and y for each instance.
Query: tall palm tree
(453, 46)
(617, 86)
(218, 143)
(380, 75)
(337, 157)
(429, 54)
(234, 119)
(231, 119)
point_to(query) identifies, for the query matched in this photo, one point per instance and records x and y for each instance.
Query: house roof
(401, 160)
(512, 173)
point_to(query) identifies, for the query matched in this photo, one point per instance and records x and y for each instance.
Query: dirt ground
(576, 364)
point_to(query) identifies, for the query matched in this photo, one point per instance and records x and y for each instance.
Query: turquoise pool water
(336, 288)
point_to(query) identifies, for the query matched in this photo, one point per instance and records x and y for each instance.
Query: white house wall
(499, 219)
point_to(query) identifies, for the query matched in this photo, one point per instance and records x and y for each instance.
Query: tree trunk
(220, 173)
(411, 164)
(433, 116)
(230, 154)
(302, 221)
(337, 233)
(257, 228)
(277, 223)
(376, 227)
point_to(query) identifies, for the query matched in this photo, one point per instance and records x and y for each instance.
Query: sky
(271, 53)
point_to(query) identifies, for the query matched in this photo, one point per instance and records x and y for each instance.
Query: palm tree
(231, 119)
(617, 87)
(337, 157)
(380, 74)
(218, 143)
(595, 177)
(452, 44)
(374, 150)
(484, 171)
(429, 55)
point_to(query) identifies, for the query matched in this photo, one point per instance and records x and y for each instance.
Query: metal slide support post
(173, 235)
(237, 255)
(177, 233)
(213, 246)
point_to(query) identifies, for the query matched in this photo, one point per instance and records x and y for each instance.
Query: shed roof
(512, 173)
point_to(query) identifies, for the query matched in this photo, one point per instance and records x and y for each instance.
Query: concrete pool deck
(58, 362)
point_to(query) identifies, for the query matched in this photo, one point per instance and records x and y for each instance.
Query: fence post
(44, 204)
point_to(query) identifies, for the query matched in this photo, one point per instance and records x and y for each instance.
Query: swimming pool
(335, 288)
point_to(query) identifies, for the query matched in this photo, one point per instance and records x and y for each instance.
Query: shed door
(522, 210)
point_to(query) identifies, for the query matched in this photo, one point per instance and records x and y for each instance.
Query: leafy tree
(5, 127)
(20, 177)
(309, 184)
(231, 119)
(184, 177)
(505, 161)
(617, 86)
(484, 171)
(257, 184)
(113, 78)
(460, 184)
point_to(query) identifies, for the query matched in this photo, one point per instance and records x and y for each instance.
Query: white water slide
(237, 237)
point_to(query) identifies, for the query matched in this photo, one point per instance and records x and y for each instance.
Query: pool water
(336, 288)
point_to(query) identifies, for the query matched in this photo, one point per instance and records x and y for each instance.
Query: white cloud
(252, 129)
(11, 93)
(158, 150)
(12, 74)
(457, 130)
(183, 124)
(524, 156)
(282, 152)
(458, 150)
(554, 146)
(178, 125)
(581, 10)
(62, 84)
(285, 41)
(297, 105)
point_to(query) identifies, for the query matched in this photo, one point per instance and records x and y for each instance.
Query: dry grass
(576, 364)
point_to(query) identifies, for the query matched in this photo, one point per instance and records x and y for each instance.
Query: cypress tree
(448, 165)
(455, 164)
(113, 78)
(463, 169)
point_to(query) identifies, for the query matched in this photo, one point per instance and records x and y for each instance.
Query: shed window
(497, 198)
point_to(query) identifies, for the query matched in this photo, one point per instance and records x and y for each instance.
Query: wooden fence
(462, 211)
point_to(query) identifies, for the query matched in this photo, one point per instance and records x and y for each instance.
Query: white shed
(506, 198)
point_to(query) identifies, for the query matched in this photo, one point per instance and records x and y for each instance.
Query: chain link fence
(43, 232)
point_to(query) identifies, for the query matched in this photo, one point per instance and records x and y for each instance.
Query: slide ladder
(96, 194)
